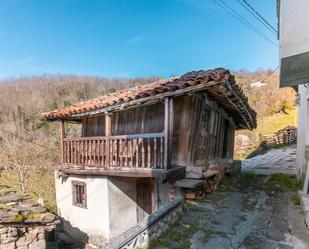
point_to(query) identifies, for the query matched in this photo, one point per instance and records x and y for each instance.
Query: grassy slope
(271, 124)
(267, 125)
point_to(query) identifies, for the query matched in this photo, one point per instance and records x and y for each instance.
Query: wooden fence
(287, 135)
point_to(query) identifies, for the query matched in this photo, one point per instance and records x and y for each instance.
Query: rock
(52, 245)
(7, 192)
(41, 236)
(40, 218)
(3, 230)
(22, 247)
(8, 246)
(65, 239)
(12, 231)
(48, 217)
(4, 213)
(41, 244)
(7, 240)
(27, 239)
(38, 209)
(12, 198)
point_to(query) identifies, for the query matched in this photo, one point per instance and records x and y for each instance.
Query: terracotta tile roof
(191, 79)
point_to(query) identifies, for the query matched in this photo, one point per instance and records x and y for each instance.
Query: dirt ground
(251, 211)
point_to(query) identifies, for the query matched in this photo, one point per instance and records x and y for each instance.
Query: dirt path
(253, 211)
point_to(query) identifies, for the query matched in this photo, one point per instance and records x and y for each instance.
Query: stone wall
(22, 238)
(24, 224)
(150, 229)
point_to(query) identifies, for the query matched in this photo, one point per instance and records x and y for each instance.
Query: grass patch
(281, 183)
(159, 242)
(193, 228)
(208, 234)
(173, 234)
(227, 183)
(19, 218)
(245, 202)
(251, 181)
(193, 207)
(4, 206)
(176, 237)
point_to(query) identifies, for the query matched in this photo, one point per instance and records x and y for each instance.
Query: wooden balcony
(129, 152)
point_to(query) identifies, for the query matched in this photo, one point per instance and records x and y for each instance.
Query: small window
(79, 194)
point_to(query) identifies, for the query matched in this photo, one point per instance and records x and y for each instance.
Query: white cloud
(134, 40)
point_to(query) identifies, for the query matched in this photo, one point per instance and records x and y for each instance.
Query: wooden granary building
(135, 143)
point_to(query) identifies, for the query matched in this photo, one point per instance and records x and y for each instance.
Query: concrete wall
(94, 219)
(293, 24)
(150, 229)
(111, 205)
(122, 204)
(294, 42)
(302, 130)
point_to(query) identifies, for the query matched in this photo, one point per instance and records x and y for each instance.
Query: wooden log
(194, 172)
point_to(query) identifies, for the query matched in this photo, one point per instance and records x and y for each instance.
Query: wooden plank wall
(201, 131)
(147, 119)
(93, 126)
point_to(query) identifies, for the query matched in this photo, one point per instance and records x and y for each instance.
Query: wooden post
(108, 133)
(168, 131)
(62, 136)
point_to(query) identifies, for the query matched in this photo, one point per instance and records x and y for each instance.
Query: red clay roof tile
(170, 85)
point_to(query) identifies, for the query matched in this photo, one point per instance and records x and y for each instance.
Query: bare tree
(21, 158)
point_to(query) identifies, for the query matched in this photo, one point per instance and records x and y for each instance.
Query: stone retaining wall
(150, 229)
(24, 224)
(22, 238)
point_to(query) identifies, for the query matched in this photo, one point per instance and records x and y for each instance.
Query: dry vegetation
(29, 167)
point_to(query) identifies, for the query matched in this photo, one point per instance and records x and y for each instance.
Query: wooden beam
(62, 137)
(168, 130)
(108, 132)
(108, 125)
(125, 172)
(130, 136)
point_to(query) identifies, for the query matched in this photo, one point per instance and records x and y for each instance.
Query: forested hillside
(266, 98)
(24, 99)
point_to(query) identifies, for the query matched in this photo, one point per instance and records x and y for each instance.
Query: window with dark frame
(79, 194)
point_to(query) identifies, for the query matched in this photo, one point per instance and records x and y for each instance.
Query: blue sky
(130, 38)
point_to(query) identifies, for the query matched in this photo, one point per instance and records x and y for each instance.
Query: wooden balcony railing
(130, 151)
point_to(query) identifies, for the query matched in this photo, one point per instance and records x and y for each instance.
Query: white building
(293, 19)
